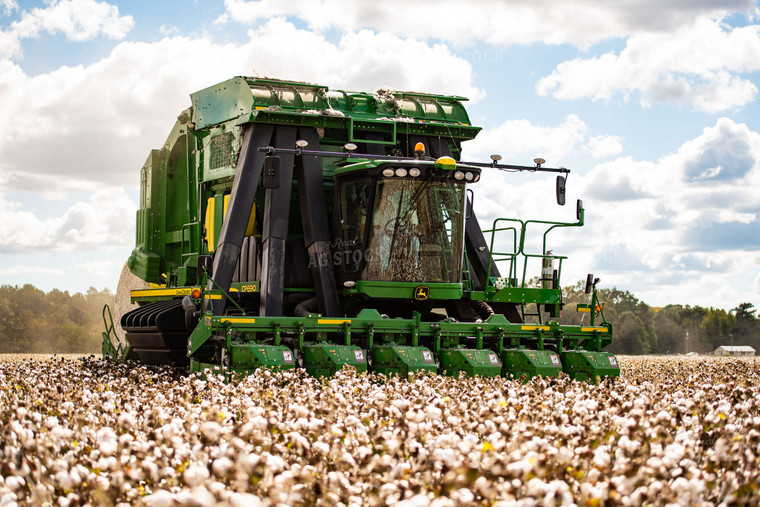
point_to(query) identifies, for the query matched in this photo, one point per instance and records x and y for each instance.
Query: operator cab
(401, 221)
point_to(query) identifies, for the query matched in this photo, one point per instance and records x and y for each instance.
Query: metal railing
(518, 249)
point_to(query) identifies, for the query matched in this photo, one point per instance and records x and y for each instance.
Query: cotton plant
(81, 431)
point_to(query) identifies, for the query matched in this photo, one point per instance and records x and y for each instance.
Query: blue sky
(653, 105)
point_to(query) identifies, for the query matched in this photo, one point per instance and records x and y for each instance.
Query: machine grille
(221, 151)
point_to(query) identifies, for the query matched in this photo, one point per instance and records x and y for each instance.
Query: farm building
(737, 350)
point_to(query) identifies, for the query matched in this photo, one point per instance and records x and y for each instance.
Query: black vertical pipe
(275, 228)
(249, 167)
(316, 230)
(478, 254)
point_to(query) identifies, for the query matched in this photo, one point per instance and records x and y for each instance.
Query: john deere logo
(421, 293)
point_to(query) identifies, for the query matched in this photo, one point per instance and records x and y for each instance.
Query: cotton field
(673, 430)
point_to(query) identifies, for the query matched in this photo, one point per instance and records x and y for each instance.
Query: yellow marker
(161, 292)
(535, 328)
(239, 320)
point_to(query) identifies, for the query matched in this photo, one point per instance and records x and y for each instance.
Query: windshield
(416, 231)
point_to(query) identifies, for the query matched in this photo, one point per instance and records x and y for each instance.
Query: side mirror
(578, 209)
(272, 170)
(205, 263)
(561, 190)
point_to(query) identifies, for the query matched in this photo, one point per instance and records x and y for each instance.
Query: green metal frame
(369, 323)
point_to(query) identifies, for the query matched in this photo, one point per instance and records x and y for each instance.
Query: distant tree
(671, 336)
(33, 321)
(633, 321)
(747, 325)
(673, 329)
(678, 330)
(718, 326)
(745, 311)
(633, 336)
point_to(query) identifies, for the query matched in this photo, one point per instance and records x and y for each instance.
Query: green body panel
(402, 360)
(483, 362)
(406, 290)
(168, 229)
(324, 359)
(587, 365)
(246, 357)
(521, 295)
(519, 362)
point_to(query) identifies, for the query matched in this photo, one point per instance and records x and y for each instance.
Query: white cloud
(650, 226)
(97, 123)
(700, 230)
(77, 20)
(523, 141)
(101, 268)
(580, 23)
(679, 52)
(169, 31)
(359, 61)
(715, 173)
(9, 44)
(698, 65)
(726, 152)
(105, 220)
(605, 145)
(22, 269)
(8, 6)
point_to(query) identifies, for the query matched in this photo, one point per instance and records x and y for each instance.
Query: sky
(652, 105)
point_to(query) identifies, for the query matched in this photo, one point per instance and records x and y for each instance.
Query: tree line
(673, 329)
(32, 321)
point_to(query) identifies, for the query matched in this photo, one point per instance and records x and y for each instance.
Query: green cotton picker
(286, 225)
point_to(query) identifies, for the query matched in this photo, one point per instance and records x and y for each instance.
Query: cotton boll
(107, 441)
(195, 474)
(245, 500)
(602, 457)
(433, 412)
(321, 448)
(221, 466)
(416, 501)
(161, 498)
(14, 483)
(211, 431)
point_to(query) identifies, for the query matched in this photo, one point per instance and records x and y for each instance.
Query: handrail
(519, 248)
(509, 255)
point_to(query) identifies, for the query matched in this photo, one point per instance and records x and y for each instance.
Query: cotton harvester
(286, 225)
